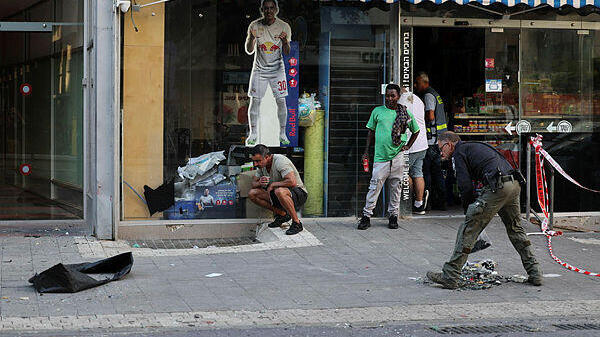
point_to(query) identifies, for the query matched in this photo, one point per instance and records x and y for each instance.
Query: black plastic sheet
(72, 278)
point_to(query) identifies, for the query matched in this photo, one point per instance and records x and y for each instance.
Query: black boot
(393, 224)
(364, 223)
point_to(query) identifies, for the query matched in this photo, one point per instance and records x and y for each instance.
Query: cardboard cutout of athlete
(268, 39)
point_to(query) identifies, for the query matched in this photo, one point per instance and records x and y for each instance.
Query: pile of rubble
(482, 275)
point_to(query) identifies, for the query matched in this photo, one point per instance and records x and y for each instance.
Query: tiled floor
(18, 204)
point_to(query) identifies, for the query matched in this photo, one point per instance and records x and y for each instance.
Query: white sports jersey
(268, 46)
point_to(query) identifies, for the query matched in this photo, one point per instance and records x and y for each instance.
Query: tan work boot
(535, 280)
(440, 279)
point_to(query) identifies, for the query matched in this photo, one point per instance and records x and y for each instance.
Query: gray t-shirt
(430, 102)
(281, 167)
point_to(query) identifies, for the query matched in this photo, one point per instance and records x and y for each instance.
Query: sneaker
(393, 224)
(280, 220)
(534, 280)
(419, 210)
(295, 228)
(480, 245)
(251, 140)
(439, 279)
(364, 223)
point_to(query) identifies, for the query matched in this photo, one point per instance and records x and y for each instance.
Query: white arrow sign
(551, 127)
(509, 128)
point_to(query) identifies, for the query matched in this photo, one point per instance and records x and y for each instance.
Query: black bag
(71, 278)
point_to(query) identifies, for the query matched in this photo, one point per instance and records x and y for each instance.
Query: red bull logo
(268, 47)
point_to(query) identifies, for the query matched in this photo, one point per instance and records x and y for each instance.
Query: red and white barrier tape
(542, 194)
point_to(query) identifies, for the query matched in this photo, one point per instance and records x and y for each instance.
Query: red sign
(25, 89)
(489, 63)
(25, 169)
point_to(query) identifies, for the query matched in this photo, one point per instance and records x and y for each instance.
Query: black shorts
(298, 197)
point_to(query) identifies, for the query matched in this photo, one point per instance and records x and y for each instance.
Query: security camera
(123, 5)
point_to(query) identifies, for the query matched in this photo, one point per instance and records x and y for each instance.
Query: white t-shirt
(418, 110)
(268, 48)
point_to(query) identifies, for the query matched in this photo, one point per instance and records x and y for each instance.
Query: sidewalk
(339, 275)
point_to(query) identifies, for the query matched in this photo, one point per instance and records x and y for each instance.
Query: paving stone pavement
(344, 276)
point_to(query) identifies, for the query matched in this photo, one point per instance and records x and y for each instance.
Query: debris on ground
(479, 275)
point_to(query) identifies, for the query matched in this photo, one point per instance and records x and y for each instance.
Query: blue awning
(531, 3)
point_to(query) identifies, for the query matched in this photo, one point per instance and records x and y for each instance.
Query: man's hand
(283, 37)
(264, 181)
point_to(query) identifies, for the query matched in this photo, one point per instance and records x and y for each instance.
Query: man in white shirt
(416, 153)
(268, 39)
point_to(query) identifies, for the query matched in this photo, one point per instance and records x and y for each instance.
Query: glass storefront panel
(190, 97)
(42, 104)
(539, 78)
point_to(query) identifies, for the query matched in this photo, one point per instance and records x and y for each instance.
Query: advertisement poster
(292, 70)
(493, 85)
(269, 39)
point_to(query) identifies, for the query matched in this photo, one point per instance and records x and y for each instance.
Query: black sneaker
(280, 220)
(295, 228)
(480, 245)
(364, 223)
(419, 210)
(393, 224)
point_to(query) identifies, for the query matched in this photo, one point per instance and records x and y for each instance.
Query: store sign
(292, 70)
(493, 85)
(405, 58)
(489, 63)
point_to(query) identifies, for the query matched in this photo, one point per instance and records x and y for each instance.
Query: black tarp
(71, 278)
(161, 198)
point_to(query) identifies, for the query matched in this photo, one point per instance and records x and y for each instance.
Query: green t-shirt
(381, 121)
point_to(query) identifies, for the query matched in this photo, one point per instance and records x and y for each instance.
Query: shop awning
(531, 3)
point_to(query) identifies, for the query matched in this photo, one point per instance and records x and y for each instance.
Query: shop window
(186, 76)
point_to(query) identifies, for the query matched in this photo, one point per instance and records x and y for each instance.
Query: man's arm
(463, 180)
(289, 180)
(413, 138)
(285, 43)
(370, 140)
(250, 40)
(256, 182)
(430, 103)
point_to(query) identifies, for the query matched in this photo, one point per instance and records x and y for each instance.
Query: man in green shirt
(389, 158)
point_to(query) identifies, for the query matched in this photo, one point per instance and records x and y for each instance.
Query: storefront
(185, 93)
(507, 73)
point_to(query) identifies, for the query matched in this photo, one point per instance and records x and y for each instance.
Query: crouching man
(277, 186)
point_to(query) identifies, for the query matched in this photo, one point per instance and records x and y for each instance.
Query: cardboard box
(244, 182)
(254, 211)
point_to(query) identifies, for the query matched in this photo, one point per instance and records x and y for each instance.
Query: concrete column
(103, 94)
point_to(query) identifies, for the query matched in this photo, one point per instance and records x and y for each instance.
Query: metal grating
(469, 329)
(587, 326)
(195, 243)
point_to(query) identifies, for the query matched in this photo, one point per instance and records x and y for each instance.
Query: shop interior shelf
(484, 117)
(483, 133)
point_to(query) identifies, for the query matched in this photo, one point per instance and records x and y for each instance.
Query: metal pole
(551, 201)
(528, 192)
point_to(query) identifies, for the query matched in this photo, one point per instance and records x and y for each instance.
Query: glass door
(41, 129)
